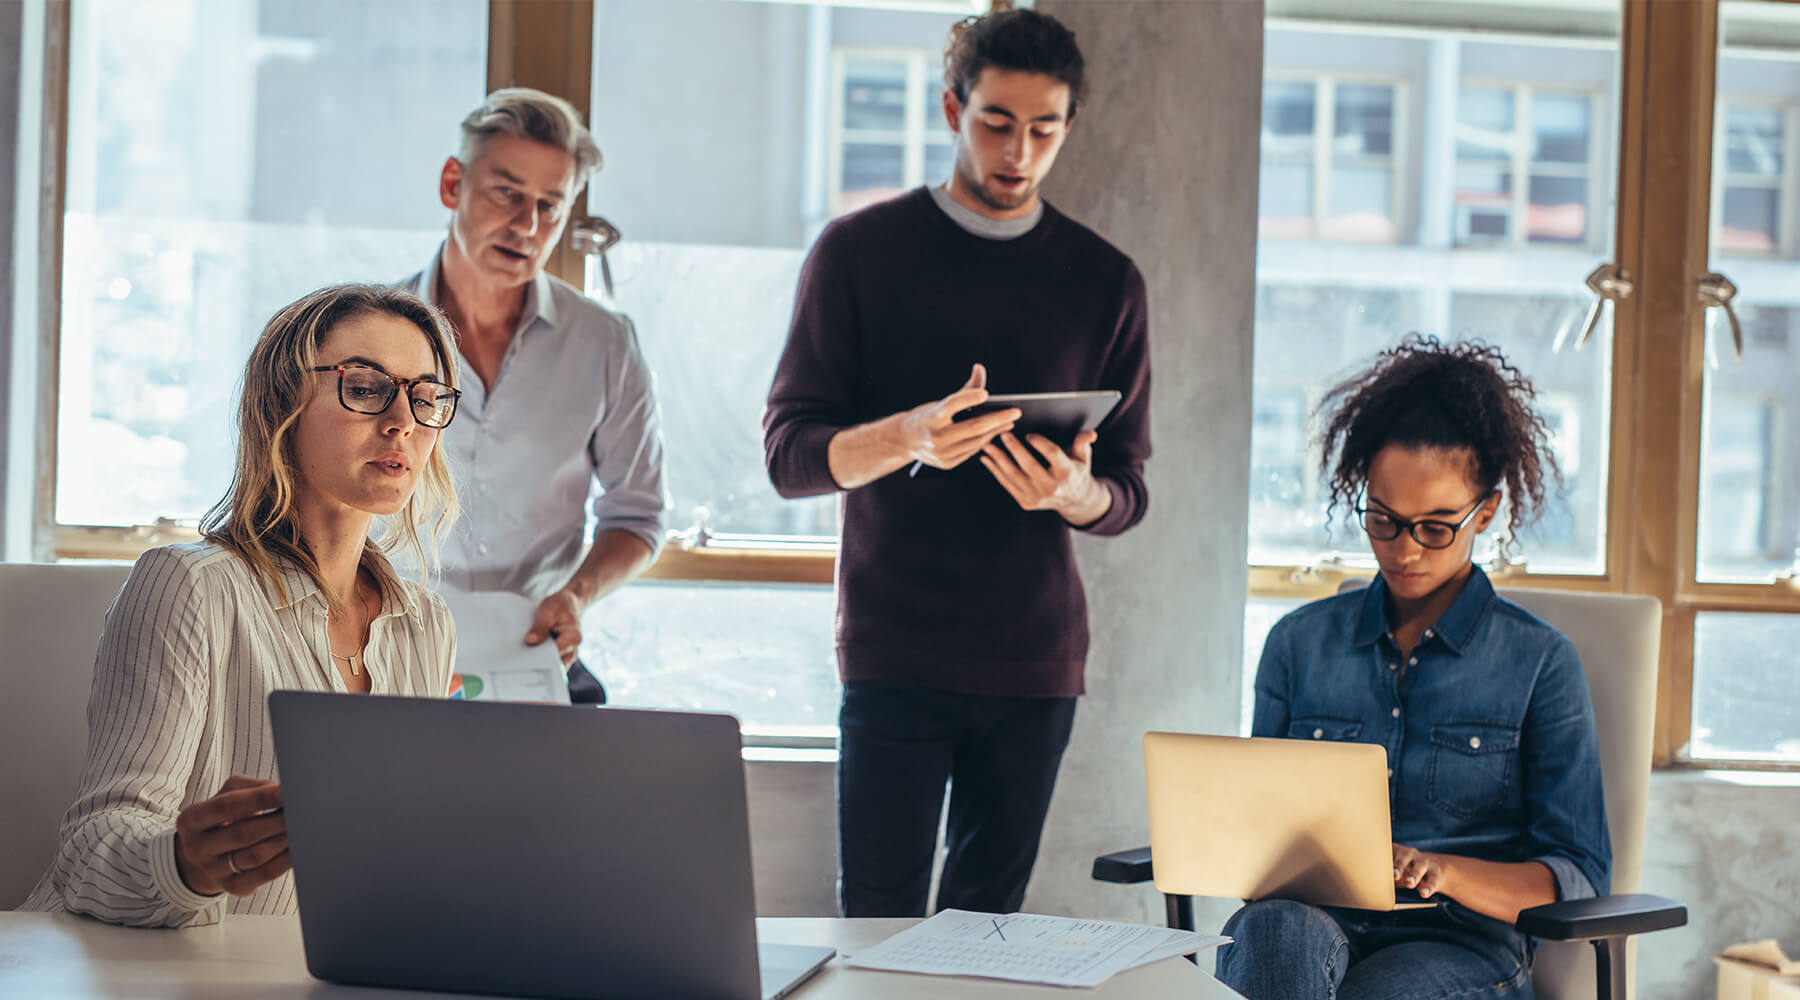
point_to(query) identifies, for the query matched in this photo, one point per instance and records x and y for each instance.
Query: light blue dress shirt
(571, 420)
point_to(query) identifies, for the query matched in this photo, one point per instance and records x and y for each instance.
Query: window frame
(1523, 167)
(1324, 161)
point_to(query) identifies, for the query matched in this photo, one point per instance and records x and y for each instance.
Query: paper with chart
(492, 661)
(1028, 948)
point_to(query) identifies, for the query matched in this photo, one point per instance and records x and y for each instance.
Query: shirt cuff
(166, 874)
(1570, 882)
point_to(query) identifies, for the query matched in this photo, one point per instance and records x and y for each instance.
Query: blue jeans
(1284, 950)
(897, 748)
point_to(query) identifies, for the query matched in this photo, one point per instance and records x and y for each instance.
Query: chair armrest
(1124, 867)
(1601, 917)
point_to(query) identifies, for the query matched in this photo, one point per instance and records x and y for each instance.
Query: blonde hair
(256, 516)
(535, 115)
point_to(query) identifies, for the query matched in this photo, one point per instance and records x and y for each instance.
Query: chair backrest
(50, 616)
(1618, 637)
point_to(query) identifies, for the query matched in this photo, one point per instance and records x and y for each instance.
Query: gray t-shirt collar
(982, 226)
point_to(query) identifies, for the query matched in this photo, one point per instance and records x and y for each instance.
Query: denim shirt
(1492, 752)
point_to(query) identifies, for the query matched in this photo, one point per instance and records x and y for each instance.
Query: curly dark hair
(1022, 41)
(1426, 394)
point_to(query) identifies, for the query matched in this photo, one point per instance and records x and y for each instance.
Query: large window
(224, 157)
(1689, 496)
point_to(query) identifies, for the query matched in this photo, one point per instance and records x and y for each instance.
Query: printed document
(492, 661)
(1027, 948)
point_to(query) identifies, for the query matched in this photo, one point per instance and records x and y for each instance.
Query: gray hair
(535, 115)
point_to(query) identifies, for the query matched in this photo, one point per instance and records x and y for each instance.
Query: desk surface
(58, 955)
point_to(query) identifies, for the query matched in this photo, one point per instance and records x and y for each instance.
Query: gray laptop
(529, 850)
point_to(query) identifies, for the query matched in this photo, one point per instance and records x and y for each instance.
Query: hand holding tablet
(1058, 416)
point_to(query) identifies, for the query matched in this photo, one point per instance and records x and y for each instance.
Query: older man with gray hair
(556, 394)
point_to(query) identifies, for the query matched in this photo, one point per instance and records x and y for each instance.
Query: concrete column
(1163, 162)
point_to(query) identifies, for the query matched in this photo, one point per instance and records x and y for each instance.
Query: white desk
(61, 956)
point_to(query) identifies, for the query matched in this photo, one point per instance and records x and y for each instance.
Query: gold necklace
(355, 668)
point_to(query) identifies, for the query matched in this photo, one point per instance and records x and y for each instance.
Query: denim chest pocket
(1472, 767)
(1318, 727)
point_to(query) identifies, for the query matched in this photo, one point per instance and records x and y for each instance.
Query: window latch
(1608, 282)
(1716, 290)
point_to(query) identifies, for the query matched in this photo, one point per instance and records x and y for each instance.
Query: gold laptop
(1264, 818)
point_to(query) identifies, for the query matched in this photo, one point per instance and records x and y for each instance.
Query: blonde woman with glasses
(178, 817)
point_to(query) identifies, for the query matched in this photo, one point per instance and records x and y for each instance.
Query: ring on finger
(231, 863)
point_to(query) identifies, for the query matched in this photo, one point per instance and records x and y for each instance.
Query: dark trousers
(584, 687)
(897, 748)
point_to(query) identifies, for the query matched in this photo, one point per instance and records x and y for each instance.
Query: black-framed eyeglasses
(362, 389)
(1428, 532)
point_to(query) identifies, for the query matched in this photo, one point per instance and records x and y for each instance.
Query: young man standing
(962, 626)
(556, 394)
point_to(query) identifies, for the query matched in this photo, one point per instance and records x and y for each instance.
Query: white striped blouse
(192, 647)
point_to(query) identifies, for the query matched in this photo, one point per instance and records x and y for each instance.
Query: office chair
(51, 616)
(1618, 637)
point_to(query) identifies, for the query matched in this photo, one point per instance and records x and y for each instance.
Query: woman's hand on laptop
(1418, 870)
(235, 841)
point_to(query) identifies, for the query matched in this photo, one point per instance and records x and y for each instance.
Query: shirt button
(1474, 743)
(1413, 662)
(1393, 666)
(1427, 633)
(1318, 734)
(483, 548)
(1390, 773)
(1396, 713)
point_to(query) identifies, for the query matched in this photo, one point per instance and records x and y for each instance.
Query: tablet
(1058, 416)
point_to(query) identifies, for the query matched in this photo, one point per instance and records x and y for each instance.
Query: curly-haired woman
(1494, 767)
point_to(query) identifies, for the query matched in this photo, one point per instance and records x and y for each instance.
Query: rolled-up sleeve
(146, 714)
(1564, 795)
(627, 450)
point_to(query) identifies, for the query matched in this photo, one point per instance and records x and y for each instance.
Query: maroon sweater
(943, 581)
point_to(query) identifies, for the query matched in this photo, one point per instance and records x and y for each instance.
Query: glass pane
(1285, 201)
(1558, 210)
(708, 279)
(1749, 514)
(1574, 396)
(1363, 120)
(1483, 204)
(1288, 107)
(764, 652)
(1490, 261)
(872, 172)
(1755, 139)
(940, 160)
(1560, 127)
(1743, 687)
(875, 94)
(1307, 336)
(1485, 124)
(1361, 208)
(1750, 219)
(223, 159)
